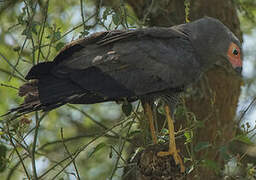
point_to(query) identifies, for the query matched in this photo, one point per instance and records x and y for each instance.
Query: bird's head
(214, 43)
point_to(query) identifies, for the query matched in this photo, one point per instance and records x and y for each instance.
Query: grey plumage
(133, 64)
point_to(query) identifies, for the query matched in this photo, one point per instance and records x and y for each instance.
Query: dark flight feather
(117, 65)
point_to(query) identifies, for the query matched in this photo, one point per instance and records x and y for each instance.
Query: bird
(128, 65)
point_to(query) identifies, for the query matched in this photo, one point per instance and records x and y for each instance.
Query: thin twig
(148, 12)
(38, 120)
(33, 51)
(12, 170)
(13, 67)
(125, 14)
(9, 86)
(21, 145)
(69, 31)
(9, 73)
(78, 151)
(71, 156)
(29, 22)
(28, 133)
(19, 57)
(76, 27)
(122, 146)
(41, 31)
(76, 138)
(246, 110)
(82, 13)
(118, 153)
(98, 123)
(17, 152)
(50, 45)
(66, 140)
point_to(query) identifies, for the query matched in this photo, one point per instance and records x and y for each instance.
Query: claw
(175, 156)
(172, 146)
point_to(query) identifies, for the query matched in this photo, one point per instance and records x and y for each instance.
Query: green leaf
(127, 108)
(33, 27)
(187, 160)
(224, 152)
(161, 110)
(17, 48)
(211, 164)
(180, 111)
(3, 160)
(20, 19)
(116, 19)
(189, 136)
(202, 145)
(199, 124)
(59, 46)
(27, 33)
(57, 35)
(110, 153)
(127, 124)
(134, 132)
(106, 13)
(164, 131)
(244, 138)
(83, 34)
(95, 149)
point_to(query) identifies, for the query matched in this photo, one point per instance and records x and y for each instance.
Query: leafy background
(85, 141)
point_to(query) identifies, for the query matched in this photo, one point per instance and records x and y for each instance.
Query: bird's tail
(31, 102)
(45, 91)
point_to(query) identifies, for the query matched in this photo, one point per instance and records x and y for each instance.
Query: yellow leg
(172, 145)
(148, 112)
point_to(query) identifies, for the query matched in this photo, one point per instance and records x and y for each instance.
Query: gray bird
(127, 65)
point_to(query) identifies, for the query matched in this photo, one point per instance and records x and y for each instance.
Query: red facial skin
(234, 55)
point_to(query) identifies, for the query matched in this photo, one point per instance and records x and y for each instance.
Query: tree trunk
(216, 96)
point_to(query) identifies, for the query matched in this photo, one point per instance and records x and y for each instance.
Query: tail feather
(54, 90)
(46, 94)
(44, 91)
(31, 102)
(29, 87)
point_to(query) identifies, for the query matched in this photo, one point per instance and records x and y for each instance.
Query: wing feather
(124, 64)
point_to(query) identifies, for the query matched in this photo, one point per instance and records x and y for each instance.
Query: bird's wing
(120, 64)
(99, 39)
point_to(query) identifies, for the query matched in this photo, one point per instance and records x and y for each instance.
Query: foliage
(85, 140)
(247, 8)
(32, 32)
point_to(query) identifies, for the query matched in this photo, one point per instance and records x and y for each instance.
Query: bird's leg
(172, 145)
(148, 112)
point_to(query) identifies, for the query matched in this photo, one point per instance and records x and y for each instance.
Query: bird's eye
(235, 52)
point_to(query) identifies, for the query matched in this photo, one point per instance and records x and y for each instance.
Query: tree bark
(216, 96)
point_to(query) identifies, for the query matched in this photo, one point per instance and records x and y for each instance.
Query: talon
(172, 145)
(176, 158)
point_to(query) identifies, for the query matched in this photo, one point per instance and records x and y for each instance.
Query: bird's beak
(239, 70)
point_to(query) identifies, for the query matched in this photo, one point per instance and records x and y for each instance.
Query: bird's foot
(176, 157)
